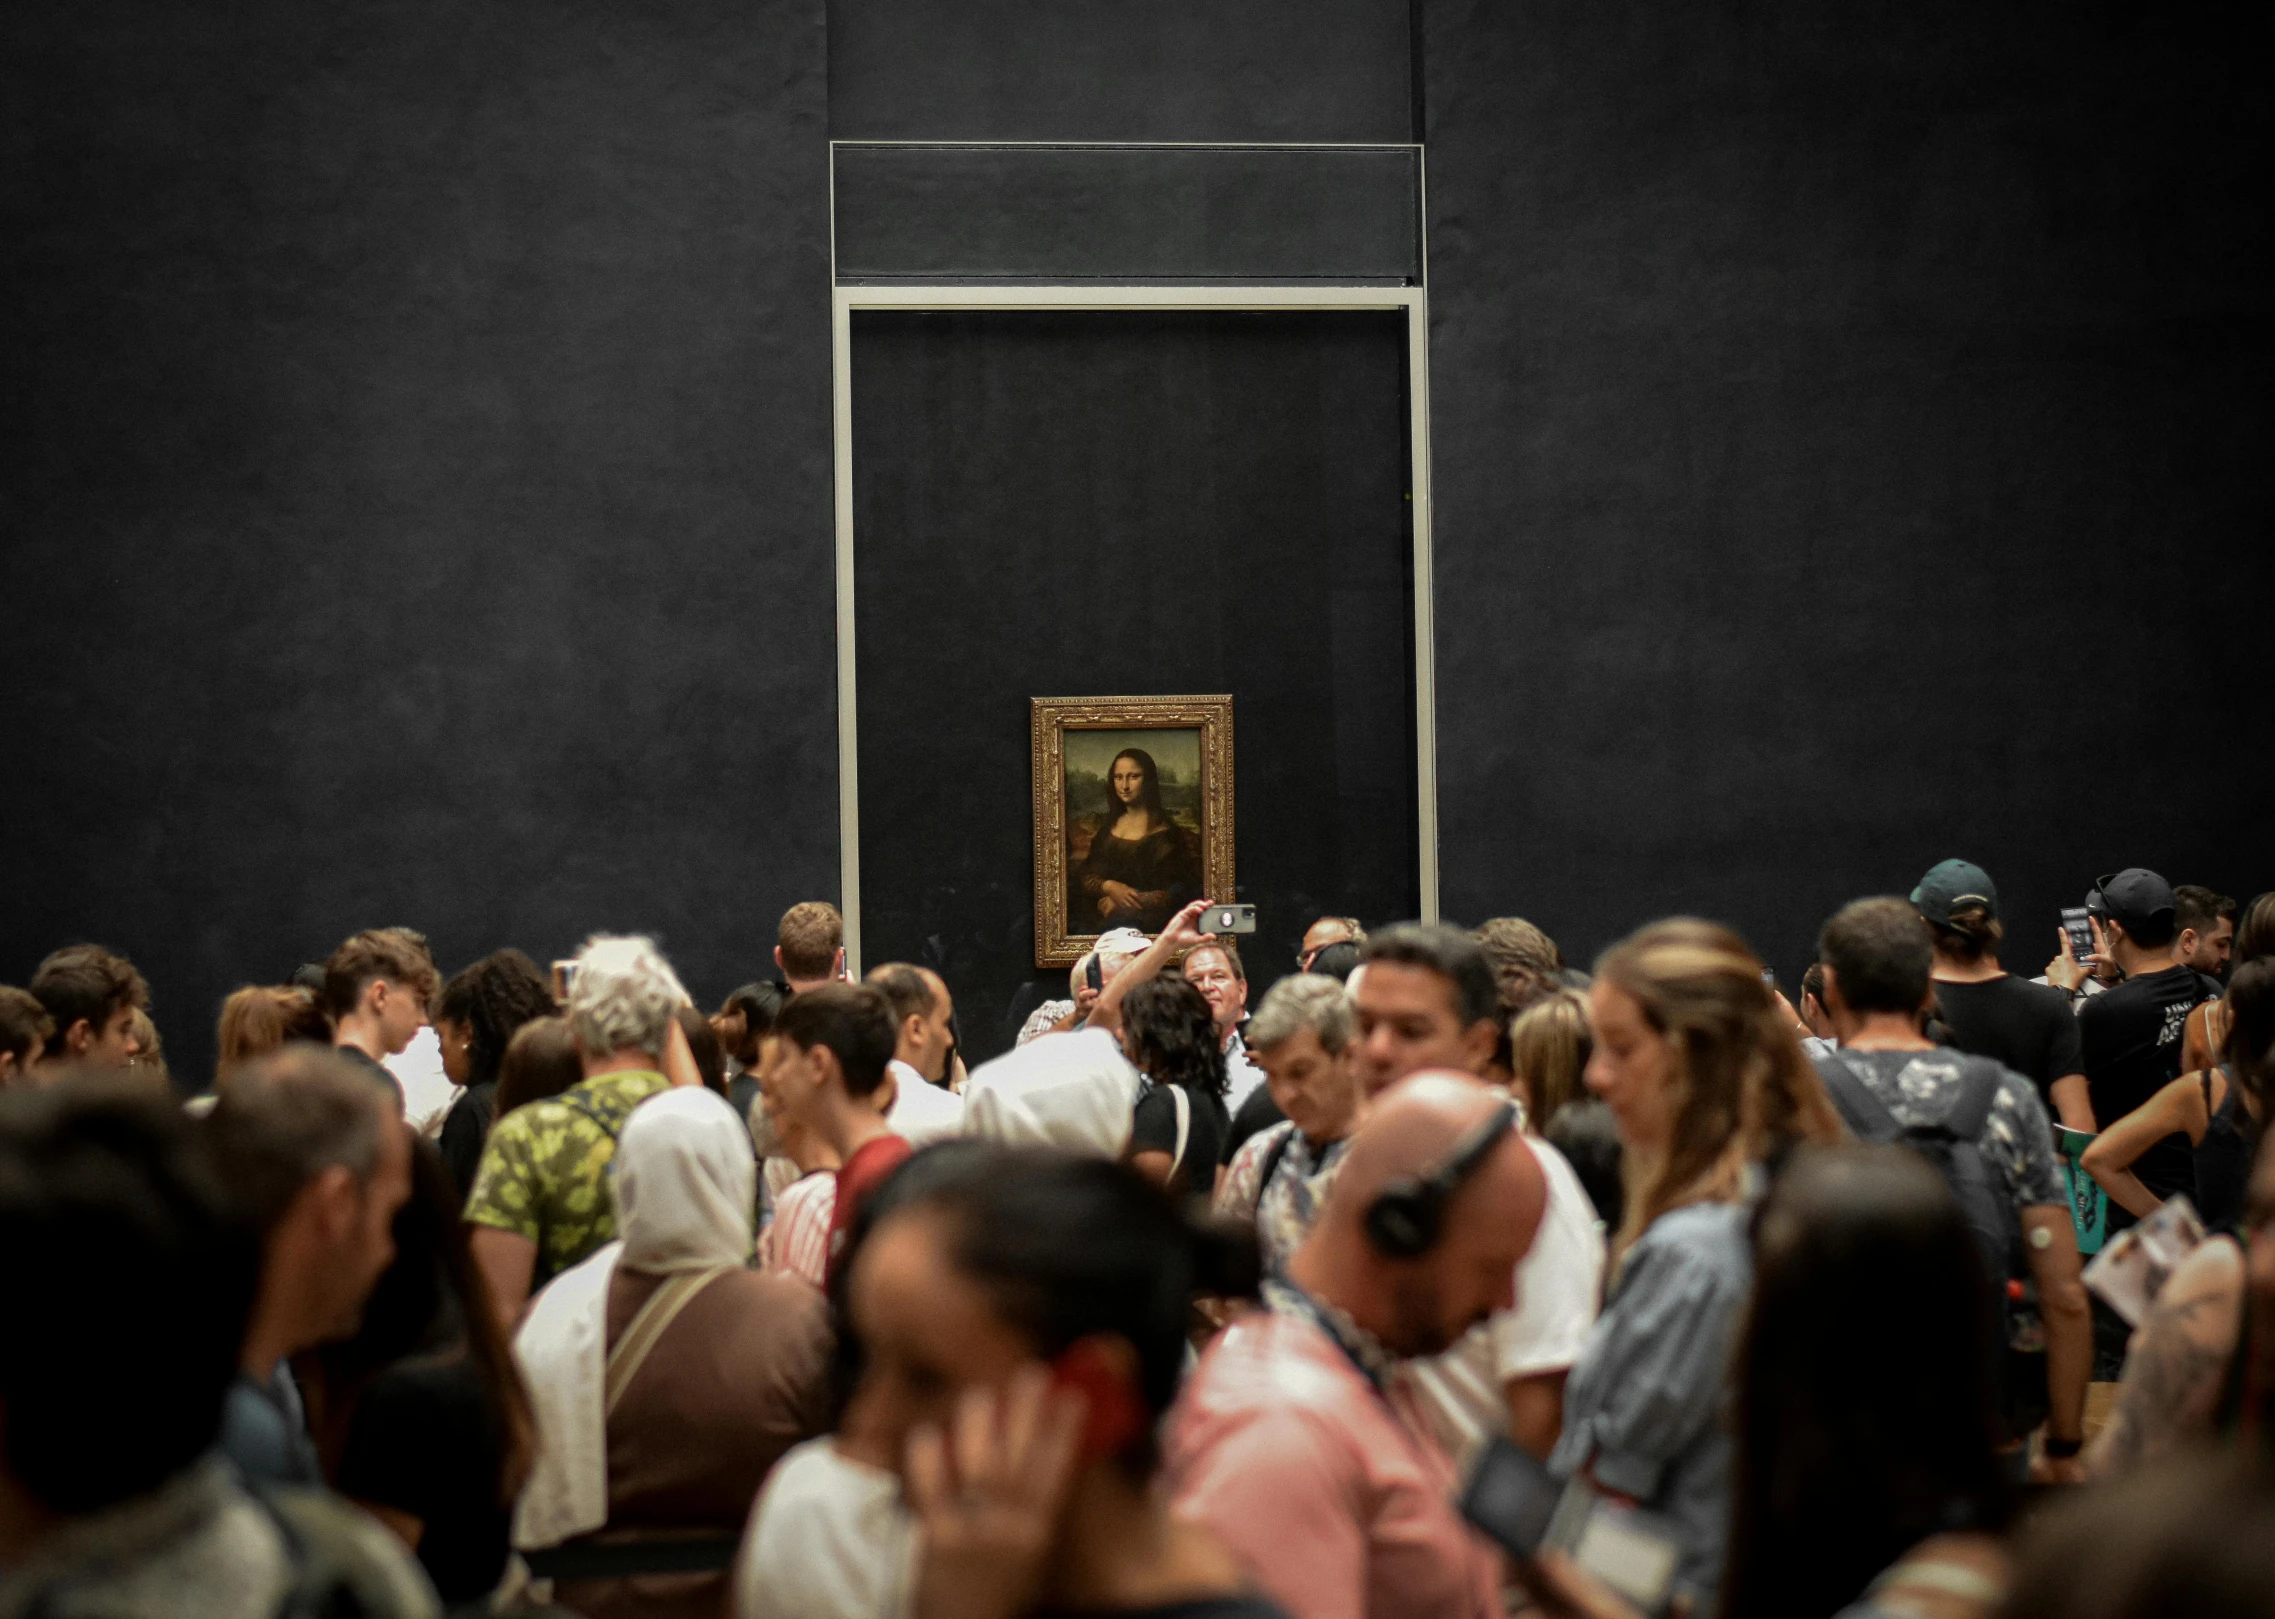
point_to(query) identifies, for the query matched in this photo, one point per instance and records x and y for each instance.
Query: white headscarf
(685, 1187)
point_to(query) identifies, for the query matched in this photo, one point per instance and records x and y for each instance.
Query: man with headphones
(1429, 1000)
(1295, 1439)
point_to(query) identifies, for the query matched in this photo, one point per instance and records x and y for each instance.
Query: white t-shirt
(828, 1539)
(1463, 1392)
(923, 1112)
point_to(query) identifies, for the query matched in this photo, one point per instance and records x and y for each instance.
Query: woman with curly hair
(474, 1019)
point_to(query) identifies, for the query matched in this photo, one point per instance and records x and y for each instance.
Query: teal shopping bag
(2089, 1204)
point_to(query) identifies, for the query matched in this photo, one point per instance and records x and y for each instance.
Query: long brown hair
(1741, 1091)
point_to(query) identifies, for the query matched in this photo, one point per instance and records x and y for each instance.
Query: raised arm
(2177, 1109)
(1174, 939)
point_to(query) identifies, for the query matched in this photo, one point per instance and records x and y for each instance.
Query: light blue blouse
(1647, 1407)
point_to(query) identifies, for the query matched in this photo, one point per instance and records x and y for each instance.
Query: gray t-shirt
(1921, 1087)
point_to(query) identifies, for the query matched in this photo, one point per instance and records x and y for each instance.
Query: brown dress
(738, 1378)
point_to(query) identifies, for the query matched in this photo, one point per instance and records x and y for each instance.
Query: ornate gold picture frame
(1133, 814)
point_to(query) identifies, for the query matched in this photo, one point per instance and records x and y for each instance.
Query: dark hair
(281, 1120)
(905, 988)
(760, 1004)
(1149, 791)
(1070, 1247)
(1452, 954)
(1866, 1415)
(119, 1240)
(399, 955)
(1587, 1134)
(493, 998)
(24, 1023)
(811, 934)
(430, 1303)
(541, 1061)
(1336, 960)
(85, 981)
(854, 1021)
(2198, 907)
(2193, 1536)
(2249, 1049)
(1881, 954)
(1813, 981)
(2255, 934)
(1967, 936)
(1172, 1035)
(703, 1046)
(256, 1019)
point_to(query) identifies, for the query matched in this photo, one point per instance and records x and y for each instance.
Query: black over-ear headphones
(1405, 1216)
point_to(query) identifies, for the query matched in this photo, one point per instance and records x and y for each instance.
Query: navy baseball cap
(1952, 886)
(2134, 897)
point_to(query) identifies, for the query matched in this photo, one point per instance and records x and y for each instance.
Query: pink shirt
(1338, 1505)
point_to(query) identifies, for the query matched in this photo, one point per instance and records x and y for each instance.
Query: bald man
(1293, 1440)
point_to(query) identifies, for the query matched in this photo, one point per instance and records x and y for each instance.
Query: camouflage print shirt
(1921, 1087)
(547, 1166)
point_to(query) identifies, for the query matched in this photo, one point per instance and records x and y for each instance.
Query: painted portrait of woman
(1141, 865)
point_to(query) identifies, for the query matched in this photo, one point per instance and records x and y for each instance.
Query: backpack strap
(1978, 1094)
(1865, 1114)
(1272, 1158)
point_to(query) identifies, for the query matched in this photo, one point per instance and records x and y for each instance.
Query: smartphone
(1769, 977)
(1512, 1497)
(2080, 929)
(1094, 975)
(1228, 919)
(564, 980)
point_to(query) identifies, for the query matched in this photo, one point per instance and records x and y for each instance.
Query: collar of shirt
(1361, 1347)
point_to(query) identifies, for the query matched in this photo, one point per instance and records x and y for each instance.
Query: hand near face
(988, 1496)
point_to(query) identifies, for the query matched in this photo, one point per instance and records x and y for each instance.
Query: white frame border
(845, 299)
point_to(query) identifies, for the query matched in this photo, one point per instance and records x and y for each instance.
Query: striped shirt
(798, 1241)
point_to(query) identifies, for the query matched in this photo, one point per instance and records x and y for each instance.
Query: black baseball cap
(2134, 898)
(1952, 886)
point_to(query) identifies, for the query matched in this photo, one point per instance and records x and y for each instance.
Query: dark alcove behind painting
(1108, 503)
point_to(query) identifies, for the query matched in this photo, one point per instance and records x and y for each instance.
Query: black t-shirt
(1257, 1114)
(2130, 1039)
(2023, 1026)
(425, 1441)
(1155, 1130)
(464, 1130)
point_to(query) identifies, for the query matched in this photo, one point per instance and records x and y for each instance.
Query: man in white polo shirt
(923, 1110)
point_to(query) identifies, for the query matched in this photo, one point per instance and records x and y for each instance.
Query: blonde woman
(1704, 1076)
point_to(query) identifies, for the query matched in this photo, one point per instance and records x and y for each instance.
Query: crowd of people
(1436, 1278)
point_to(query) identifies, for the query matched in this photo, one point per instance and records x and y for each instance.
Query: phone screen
(1512, 1497)
(2080, 930)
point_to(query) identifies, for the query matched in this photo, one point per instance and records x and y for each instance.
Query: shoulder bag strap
(1184, 1105)
(654, 1319)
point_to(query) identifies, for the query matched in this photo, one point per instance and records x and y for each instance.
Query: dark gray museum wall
(1849, 438)
(417, 502)
(1851, 441)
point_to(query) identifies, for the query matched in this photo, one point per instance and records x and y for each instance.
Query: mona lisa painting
(1133, 814)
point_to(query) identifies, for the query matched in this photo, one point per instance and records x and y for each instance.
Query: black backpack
(1952, 1145)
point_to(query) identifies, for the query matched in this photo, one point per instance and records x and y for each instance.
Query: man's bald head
(1420, 1305)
